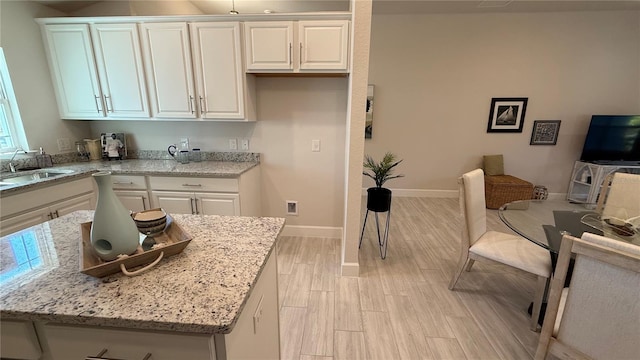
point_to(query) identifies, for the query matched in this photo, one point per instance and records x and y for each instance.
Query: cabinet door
(324, 45)
(83, 202)
(117, 51)
(218, 204)
(16, 223)
(219, 73)
(73, 70)
(18, 340)
(69, 342)
(174, 202)
(269, 45)
(168, 67)
(134, 200)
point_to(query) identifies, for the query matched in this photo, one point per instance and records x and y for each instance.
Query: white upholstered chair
(598, 316)
(623, 199)
(477, 243)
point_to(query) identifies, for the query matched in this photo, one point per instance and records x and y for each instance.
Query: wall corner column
(354, 151)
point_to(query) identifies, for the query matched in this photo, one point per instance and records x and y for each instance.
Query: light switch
(244, 144)
(315, 145)
(233, 144)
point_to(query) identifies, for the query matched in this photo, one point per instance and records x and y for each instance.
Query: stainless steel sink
(35, 175)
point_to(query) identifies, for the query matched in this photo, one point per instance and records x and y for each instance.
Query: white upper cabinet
(314, 46)
(103, 80)
(213, 89)
(169, 74)
(217, 57)
(324, 45)
(269, 45)
(73, 70)
(117, 52)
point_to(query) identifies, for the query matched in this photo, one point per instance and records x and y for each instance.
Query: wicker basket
(501, 189)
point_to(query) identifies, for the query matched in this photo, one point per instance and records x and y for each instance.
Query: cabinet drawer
(15, 204)
(193, 184)
(18, 340)
(71, 342)
(128, 182)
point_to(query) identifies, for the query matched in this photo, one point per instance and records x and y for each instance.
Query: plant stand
(378, 200)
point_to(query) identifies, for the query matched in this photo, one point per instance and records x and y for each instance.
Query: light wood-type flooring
(400, 307)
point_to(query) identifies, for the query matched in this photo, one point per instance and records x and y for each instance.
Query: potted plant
(379, 198)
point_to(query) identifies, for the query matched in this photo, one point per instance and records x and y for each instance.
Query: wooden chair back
(601, 315)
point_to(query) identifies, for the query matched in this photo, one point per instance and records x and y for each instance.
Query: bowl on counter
(150, 222)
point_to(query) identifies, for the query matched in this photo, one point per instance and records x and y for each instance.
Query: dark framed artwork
(368, 126)
(545, 132)
(507, 114)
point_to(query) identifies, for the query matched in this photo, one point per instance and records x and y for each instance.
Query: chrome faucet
(11, 166)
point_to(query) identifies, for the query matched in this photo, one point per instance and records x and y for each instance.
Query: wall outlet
(184, 144)
(292, 207)
(244, 144)
(233, 144)
(315, 145)
(64, 144)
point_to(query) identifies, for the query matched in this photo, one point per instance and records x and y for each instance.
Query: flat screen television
(612, 139)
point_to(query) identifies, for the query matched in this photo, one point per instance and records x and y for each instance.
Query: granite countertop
(230, 169)
(201, 290)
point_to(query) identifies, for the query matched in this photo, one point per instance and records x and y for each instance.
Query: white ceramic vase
(113, 231)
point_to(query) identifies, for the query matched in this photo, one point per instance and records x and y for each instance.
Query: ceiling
(141, 7)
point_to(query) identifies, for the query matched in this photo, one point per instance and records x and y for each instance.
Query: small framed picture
(545, 132)
(507, 114)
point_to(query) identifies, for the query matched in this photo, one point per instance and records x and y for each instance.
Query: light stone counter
(140, 167)
(201, 290)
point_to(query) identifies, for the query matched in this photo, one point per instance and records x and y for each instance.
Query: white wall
(435, 76)
(23, 48)
(291, 113)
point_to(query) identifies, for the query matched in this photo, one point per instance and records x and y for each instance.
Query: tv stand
(587, 177)
(621, 163)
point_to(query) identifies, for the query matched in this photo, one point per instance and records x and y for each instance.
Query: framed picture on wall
(368, 129)
(545, 132)
(507, 114)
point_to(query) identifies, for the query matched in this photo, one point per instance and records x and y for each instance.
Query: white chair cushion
(514, 251)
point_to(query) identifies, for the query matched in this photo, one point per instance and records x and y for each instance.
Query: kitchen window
(11, 131)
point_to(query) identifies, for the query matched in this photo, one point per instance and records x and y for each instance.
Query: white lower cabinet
(208, 196)
(77, 342)
(132, 191)
(18, 340)
(23, 210)
(197, 203)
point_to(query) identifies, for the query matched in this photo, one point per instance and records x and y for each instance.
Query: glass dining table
(528, 218)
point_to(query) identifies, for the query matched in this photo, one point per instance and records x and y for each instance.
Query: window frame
(13, 118)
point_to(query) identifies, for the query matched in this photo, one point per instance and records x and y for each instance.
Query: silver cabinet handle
(203, 111)
(56, 214)
(97, 98)
(191, 200)
(300, 56)
(104, 351)
(123, 183)
(191, 106)
(290, 55)
(50, 216)
(195, 200)
(192, 185)
(145, 205)
(107, 100)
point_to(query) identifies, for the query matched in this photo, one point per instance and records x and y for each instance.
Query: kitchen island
(219, 295)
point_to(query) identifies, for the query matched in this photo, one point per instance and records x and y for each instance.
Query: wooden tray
(175, 239)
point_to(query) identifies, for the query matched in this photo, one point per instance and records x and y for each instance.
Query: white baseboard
(350, 269)
(313, 231)
(445, 193)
